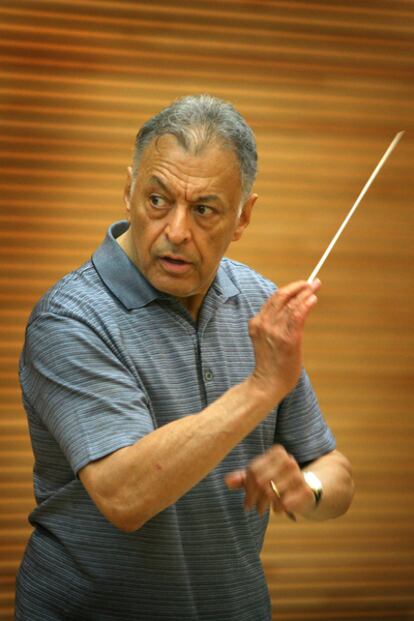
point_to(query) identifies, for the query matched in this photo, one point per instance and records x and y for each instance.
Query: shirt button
(208, 375)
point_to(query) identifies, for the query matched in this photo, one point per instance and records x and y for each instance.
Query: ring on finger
(274, 488)
(276, 492)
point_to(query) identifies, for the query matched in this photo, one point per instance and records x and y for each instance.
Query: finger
(299, 312)
(291, 312)
(304, 295)
(277, 505)
(263, 505)
(269, 499)
(296, 311)
(286, 294)
(298, 305)
(282, 296)
(251, 496)
(236, 479)
(253, 490)
(293, 316)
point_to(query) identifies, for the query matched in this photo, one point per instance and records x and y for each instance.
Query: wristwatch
(315, 484)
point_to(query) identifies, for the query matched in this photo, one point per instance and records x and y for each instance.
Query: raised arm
(133, 484)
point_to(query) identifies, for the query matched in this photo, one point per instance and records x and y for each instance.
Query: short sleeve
(301, 427)
(83, 394)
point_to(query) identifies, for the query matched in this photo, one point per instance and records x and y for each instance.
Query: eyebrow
(157, 181)
(165, 188)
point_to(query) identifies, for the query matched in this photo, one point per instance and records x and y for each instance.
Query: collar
(127, 283)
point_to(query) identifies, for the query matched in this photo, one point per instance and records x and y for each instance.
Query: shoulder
(76, 314)
(250, 283)
(79, 294)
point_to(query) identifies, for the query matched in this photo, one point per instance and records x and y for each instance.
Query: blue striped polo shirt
(107, 359)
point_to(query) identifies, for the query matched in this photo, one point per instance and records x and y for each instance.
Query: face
(183, 214)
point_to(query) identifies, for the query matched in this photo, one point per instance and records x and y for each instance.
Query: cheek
(220, 240)
(146, 234)
(212, 249)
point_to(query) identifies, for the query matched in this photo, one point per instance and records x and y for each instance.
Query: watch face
(315, 484)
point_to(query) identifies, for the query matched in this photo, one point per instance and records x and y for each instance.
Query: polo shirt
(107, 359)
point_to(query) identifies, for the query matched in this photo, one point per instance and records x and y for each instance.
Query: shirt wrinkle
(103, 377)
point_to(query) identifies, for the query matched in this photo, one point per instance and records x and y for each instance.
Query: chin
(178, 293)
(175, 290)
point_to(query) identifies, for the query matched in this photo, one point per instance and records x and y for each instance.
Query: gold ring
(289, 514)
(274, 488)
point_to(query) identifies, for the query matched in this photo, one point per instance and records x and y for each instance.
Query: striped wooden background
(325, 85)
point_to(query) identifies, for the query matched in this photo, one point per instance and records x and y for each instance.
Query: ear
(127, 191)
(244, 217)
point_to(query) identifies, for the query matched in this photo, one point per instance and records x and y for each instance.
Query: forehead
(216, 164)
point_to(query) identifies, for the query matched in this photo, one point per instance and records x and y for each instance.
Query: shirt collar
(127, 283)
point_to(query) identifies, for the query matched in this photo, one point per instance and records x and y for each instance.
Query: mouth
(175, 264)
(177, 260)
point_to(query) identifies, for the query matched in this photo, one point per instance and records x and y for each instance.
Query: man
(167, 403)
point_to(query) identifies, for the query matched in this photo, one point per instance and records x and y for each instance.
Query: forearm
(133, 484)
(137, 482)
(335, 474)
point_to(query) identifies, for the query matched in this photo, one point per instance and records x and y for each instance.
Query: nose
(178, 229)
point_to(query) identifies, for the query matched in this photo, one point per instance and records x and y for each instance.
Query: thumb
(235, 479)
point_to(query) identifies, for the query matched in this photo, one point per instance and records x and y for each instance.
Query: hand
(276, 332)
(295, 496)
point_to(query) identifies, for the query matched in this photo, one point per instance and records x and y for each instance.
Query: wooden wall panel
(325, 85)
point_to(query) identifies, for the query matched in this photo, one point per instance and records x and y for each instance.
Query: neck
(124, 241)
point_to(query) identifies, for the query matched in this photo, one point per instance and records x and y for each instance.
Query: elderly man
(167, 403)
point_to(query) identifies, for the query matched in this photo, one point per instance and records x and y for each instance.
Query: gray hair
(196, 121)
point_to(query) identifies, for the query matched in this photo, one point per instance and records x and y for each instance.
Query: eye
(203, 210)
(156, 201)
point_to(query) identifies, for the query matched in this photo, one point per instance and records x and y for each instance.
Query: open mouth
(175, 261)
(175, 265)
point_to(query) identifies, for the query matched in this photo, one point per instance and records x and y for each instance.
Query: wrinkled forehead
(214, 170)
(198, 138)
(196, 141)
(212, 159)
